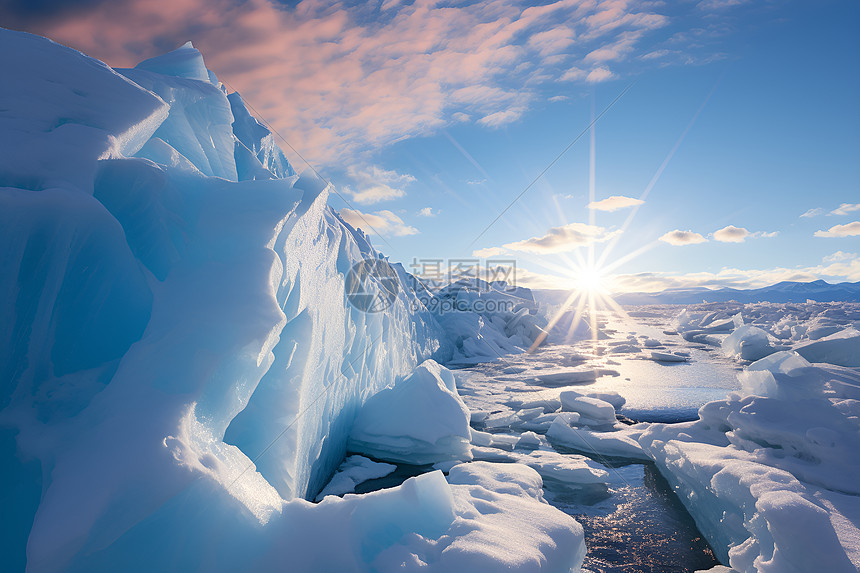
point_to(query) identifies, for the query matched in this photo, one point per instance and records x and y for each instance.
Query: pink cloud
(600, 74)
(340, 80)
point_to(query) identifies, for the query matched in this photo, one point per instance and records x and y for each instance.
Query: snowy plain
(183, 372)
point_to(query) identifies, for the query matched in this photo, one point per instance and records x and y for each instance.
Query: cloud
(718, 4)
(382, 222)
(846, 208)
(552, 41)
(813, 212)
(764, 234)
(340, 79)
(573, 74)
(656, 54)
(488, 252)
(374, 194)
(839, 256)
(725, 278)
(731, 234)
(376, 184)
(614, 203)
(533, 280)
(426, 212)
(835, 268)
(678, 238)
(847, 230)
(615, 51)
(848, 270)
(597, 75)
(500, 118)
(561, 239)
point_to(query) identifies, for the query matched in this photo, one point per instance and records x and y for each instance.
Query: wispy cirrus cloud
(814, 212)
(500, 118)
(846, 208)
(843, 209)
(342, 79)
(718, 4)
(679, 238)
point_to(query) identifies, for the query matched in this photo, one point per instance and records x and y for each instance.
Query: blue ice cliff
(180, 366)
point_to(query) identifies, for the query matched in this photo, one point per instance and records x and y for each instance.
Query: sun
(591, 280)
(590, 294)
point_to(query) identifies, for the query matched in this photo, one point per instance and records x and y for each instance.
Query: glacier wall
(172, 307)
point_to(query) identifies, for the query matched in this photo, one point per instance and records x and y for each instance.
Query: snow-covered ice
(420, 420)
(841, 348)
(770, 473)
(485, 321)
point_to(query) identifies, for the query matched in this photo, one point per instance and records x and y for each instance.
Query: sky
(661, 144)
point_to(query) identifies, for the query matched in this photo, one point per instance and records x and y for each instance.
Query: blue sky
(779, 135)
(431, 117)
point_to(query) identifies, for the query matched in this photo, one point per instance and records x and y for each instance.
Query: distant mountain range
(786, 291)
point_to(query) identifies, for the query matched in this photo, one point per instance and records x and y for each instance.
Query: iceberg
(421, 420)
(179, 352)
(183, 364)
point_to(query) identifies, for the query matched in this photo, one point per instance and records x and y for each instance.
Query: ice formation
(486, 320)
(420, 420)
(353, 471)
(181, 365)
(747, 342)
(772, 477)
